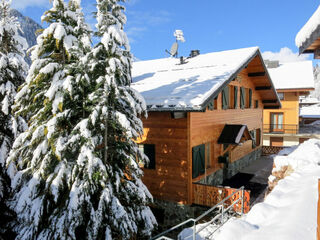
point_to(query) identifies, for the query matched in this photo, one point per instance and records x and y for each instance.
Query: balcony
(290, 129)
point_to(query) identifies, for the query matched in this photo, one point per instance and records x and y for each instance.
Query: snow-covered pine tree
(123, 199)
(13, 70)
(43, 163)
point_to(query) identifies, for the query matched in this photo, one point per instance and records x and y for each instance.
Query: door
(276, 122)
(276, 141)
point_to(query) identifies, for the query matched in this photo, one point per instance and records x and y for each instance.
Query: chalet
(204, 119)
(308, 38)
(291, 80)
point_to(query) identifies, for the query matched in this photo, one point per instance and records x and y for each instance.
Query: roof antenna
(174, 48)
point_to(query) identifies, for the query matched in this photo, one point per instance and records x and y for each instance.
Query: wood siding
(171, 179)
(206, 127)
(168, 181)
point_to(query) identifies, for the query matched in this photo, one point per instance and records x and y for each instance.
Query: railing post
(318, 212)
(222, 212)
(242, 201)
(194, 231)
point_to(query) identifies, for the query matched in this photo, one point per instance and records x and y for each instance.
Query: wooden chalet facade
(181, 138)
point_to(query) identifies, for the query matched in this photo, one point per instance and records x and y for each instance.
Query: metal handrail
(281, 128)
(194, 231)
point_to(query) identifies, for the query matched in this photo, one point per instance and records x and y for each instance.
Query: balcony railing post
(194, 231)
(242, 201)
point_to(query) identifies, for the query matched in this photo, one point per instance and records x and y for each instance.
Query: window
(255, 135)
(214, 104)
(281, 96)
(225, 98)
(235, 97)
(198, 160)
(276, 122)
(150, 151)
(250, 98)
(242, 97)
(256, 105)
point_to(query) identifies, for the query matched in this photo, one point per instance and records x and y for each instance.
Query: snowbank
(289, 211)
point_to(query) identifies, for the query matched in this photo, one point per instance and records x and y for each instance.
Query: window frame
(152, 159)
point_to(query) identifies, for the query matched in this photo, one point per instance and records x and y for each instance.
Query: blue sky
(208, 25)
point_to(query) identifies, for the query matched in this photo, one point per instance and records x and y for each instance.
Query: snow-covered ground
(289, 212)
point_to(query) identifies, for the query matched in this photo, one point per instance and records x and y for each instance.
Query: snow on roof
(293, 75)
(166, 83)
(309, 100)
(310, 111)
(306, 31)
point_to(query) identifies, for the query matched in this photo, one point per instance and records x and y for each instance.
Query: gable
(168, 85)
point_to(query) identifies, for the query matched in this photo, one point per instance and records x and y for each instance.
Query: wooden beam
(263, 88)
(271, 107)
(269, 101)
(256, 74)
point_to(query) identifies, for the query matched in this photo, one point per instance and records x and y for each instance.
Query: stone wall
(169, 214)
(231, 169)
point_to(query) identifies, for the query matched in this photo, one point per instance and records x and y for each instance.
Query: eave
(312, 43)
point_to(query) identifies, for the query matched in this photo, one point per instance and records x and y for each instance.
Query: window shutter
(250, 97)
(225, 98)
(149, 150)
(242, 97)
(198, 160)
(211, 105)
(258, 136)
(235, 97)
(253, 136)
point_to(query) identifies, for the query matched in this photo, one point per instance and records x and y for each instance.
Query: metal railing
(221, 215)
(281, 128)
(290, 129)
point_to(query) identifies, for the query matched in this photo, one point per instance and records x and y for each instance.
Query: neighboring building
(305, 101)
(200, 113)
(308, 38)
(309, 114)
(294, 79)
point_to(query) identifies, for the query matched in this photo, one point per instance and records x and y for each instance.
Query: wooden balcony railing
(209, 196)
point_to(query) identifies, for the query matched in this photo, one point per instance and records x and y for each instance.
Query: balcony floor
(254, 178)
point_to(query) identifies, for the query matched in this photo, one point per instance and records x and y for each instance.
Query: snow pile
(306, 31)
(290, 210)
(293, 75)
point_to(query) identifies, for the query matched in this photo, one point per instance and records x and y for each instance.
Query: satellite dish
(174, 50)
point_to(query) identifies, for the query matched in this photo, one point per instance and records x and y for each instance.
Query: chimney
(271, 64)
(194, 53)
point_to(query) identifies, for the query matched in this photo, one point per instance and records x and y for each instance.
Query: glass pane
(280, 121)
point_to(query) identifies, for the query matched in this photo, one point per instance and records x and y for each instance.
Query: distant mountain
(29, 28)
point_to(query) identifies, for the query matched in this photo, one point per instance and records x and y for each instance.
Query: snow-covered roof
(293, 75)
(306, 31)
(167, 84)
(312, 111)
(309, 100)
